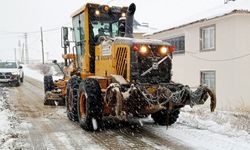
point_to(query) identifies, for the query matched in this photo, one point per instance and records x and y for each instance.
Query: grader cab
(110, 73)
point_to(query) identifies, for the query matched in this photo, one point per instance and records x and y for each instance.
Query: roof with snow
(142, 27)
(240, 6)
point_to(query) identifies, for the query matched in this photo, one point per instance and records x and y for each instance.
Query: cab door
(79, 38)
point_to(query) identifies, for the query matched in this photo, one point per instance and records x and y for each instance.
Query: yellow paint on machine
(113, 62)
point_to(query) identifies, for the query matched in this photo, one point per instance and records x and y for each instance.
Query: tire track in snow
(64, 139)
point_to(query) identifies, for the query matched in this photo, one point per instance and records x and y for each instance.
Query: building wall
(232, 75)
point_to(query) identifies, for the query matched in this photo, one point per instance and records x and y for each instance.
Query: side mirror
(54, 61)
(65, 33)
(20, 67)
(64, 37)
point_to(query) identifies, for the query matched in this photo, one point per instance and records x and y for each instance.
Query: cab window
(78, 36)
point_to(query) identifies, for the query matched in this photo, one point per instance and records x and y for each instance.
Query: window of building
(178, 42)
(208, 79)
(207, 35)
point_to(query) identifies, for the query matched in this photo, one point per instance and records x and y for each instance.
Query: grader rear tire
(90, 105)
(160, 117)
(72, 98)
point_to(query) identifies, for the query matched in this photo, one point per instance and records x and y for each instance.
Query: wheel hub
(82, 105)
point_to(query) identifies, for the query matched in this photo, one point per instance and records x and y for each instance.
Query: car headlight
(15, 73)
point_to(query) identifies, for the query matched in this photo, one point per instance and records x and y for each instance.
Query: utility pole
(22, 55)
(15, 53)
(26, 48)
(20, 50)
(42, 45)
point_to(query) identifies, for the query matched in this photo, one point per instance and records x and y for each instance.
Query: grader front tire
(90, 105)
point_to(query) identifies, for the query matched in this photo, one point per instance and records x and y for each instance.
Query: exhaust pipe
(130, 20)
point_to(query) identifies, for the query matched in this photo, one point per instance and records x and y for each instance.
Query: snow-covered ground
(8, 120)
(10, 124)
(196, 127)
(4, 112)
(219, 130)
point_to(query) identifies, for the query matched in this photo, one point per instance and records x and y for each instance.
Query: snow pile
(198, 128)
(4, 111)
(227, 123)
(218, 130)
(38, 71)
(32, 73)
(7, 136)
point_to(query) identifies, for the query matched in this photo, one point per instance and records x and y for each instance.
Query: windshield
(106, 29)
(104, 23)
(8, 65)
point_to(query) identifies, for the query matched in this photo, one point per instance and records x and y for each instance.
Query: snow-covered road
(27, 124)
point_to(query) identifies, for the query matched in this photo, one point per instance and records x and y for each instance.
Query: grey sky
(19, 16)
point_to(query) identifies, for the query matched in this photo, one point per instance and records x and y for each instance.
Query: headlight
(97, 12)
(143, 50)
(15, 73)
(123, 14)
(164, 50)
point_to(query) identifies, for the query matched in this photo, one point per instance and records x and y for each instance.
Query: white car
(11, 72)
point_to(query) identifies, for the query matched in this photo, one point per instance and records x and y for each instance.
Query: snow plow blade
(183, 95)
(53, 99)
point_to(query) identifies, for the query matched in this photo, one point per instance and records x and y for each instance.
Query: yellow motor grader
(107, 72)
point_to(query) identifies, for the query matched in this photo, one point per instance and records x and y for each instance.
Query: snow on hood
(130, 41)
(8, 69)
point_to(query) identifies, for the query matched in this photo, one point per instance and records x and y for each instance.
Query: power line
(49, 44)
(11, 36)
(30, 32)
(10, 32)
(219, 60)
(48, 30)
(34, 41)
